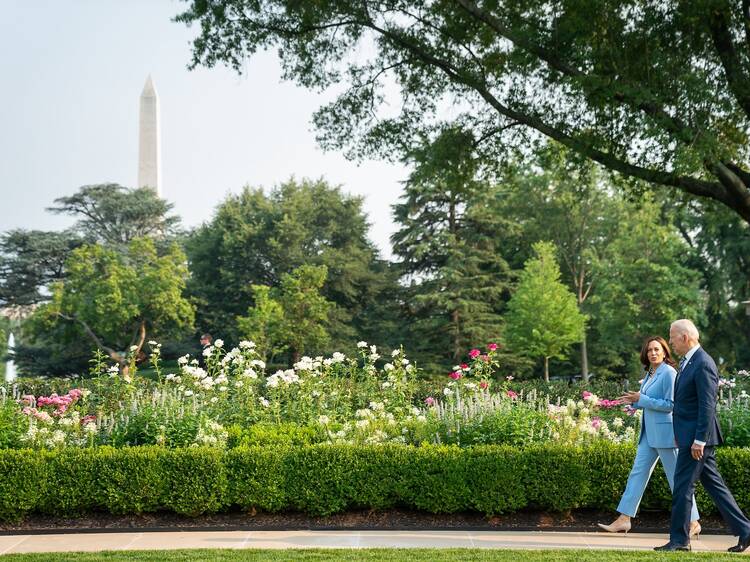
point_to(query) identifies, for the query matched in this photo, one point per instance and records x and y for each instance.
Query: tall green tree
(448, 249)
(719, 248)
(255, 238)
(293, 317)
(543, 319)
(30, 260)
(116, 300)
(657, 91)
(645, 283)
(112, 214)
(109, 214)
(569, 202)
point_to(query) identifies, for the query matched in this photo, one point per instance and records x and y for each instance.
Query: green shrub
(23, 482)
(325, 479)
(496, 476)
(128, 480)
(68, 482)
(317, 478)
(196, 480)
(256, 478)
(286, 434)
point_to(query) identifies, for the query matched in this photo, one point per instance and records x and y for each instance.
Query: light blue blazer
(657, 401)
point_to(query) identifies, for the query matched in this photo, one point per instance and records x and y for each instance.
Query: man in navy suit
(697, 433)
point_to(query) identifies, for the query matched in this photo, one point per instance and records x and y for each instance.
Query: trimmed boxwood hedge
(325, 479)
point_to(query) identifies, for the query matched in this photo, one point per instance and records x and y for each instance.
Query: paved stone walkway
(93, 542)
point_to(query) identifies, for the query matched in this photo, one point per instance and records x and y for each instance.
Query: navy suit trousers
(687, 472)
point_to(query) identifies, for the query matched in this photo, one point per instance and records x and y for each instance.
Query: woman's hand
(630, 397)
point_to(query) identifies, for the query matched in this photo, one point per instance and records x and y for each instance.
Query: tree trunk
(546, 369)
(456, 336)
(584, 359)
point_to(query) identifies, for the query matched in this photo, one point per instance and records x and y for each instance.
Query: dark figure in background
(206, 341)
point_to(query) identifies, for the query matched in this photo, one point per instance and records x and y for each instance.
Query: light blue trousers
(645, 461)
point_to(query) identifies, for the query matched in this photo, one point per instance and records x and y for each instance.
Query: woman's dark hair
(664, 345)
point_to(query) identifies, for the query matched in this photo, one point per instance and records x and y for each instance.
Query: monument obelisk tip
(149, 138)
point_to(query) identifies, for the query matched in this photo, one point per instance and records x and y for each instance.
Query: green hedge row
(324, 479)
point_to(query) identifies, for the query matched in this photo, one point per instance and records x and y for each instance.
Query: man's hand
(630, 397)
(696, 451)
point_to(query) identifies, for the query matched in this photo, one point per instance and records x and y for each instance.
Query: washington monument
(149, 139)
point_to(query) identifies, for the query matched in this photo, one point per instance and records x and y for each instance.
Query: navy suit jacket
(694, 414)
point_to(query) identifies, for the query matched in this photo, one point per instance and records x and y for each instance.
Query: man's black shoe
(740, 546)
(671, 547)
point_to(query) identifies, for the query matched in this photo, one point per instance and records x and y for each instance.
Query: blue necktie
(680, 368)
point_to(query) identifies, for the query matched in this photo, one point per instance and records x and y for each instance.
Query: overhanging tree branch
(734, 70)
(713, 190)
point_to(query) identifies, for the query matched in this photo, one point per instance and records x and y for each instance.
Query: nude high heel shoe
(695, 529)
(619, 526)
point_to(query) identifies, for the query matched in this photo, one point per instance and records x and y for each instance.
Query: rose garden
(326, 435)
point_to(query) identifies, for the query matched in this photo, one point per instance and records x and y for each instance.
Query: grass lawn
(363, 555)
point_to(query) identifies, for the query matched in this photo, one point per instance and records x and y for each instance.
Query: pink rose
(586, 394)
(512, 395)
(474, 353)
(485, 358)
(464, 367)
(429, 401)
(455, 375)
(492, 346)
(596, 423)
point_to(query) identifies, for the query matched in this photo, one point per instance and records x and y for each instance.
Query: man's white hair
(685, 326)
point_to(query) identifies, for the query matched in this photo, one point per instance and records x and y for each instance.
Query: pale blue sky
(72, 72)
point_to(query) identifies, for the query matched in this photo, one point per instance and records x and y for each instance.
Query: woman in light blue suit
(656, 441)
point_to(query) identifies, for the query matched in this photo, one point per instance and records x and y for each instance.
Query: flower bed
(339, 399)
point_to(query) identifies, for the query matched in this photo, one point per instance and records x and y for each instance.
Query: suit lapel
(649, 383)
(687, 367)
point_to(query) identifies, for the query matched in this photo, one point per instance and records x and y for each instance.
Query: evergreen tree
(570, 203)
(543, 319)
(644, 284)
(456, 278)
(719, 249)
